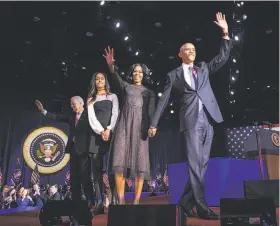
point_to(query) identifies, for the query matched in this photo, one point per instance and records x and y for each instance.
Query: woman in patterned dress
(129, 152)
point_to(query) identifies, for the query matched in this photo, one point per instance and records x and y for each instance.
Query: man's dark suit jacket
(81, 132)
(189, 97)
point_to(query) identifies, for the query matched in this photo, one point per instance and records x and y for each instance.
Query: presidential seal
(275, 139)
(45, 147)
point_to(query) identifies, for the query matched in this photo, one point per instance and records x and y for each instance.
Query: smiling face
(137, 75)
(100, 81)
(187, 53)
(76, 105)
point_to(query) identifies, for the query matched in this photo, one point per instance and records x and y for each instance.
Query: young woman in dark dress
(129, 152)
(103, 110)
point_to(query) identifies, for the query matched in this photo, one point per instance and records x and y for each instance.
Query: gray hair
(79, 99)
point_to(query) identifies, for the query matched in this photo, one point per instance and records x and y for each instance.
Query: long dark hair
(146, 73)
(93, 89)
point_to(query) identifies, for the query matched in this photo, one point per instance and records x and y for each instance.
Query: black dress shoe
(98, 210)
(189, 211)
(207, 214)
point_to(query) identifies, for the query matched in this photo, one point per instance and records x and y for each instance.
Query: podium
(264, 142)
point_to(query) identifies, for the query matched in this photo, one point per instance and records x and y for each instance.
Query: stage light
(248, 88)
(126, 38)
(118, 24)
(239, 17)
(236, 38)
(137, 53)
(231, 92)
(83, 68)
(89, 34)
(267, 86)
(63, 63)
(159, 94)
(171, 104)
(233, 79)
(171, 111)
(234, 60)
(157, 24)
(36, 19)
(102, 2)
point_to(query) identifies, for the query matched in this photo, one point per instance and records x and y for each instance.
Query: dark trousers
(97, 177)
(197, 141)
(80, 177)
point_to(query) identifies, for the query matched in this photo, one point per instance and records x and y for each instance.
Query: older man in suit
(198, 111)
(77, 146)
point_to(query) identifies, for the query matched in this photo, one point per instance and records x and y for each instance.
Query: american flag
(106, 180)
(236, 138)
(1, 176)
(129, 182)
(165, 178)
(35, 176)
(150, 183)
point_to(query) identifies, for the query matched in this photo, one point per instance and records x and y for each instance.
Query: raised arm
(56, 117)
(218, 61)
(109, 56)
(94, 123)
(162, 103)
(115, 112)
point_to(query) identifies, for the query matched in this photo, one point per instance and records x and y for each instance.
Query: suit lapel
(199, 76)
(181, 78)
(81, 118)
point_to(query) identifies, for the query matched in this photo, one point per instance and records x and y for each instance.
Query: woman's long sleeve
(94, 123)
(115, 112)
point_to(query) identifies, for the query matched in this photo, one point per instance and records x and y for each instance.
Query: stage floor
(31, 218)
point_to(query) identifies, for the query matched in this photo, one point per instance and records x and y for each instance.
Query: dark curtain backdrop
(14, 168)
(165, 148)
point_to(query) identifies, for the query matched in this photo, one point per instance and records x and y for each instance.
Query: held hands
(39, 105)
(221, 22)
(109, 55)
(105, 134)
(152, 132)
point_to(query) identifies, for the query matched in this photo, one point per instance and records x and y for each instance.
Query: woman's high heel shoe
(136, 202)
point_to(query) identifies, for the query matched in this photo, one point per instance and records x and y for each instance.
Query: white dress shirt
(187, 76)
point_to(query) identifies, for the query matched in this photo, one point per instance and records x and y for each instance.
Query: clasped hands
(152, 132)
(105, 134)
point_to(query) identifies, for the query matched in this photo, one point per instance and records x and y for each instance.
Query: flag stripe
(35, 176)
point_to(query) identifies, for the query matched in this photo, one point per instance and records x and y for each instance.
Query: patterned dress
(129, 152)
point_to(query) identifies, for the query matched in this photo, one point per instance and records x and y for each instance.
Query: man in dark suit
(198, 110)
(77, 146)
